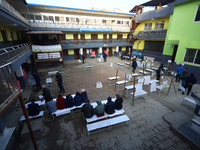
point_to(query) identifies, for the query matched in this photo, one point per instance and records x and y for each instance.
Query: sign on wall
(94, 29)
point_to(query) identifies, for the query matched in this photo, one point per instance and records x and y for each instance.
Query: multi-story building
(182, 40)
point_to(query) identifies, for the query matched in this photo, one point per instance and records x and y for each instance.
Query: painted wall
(183, 30)
(140, 46)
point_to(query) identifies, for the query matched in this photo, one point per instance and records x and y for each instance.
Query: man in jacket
(51, 106)
(99, 109)
(104, 56)
(189, 82)
(110, 106)
(118, 102)
(134, 65)
(179, 71)
(60, 102)
(159, 71)
(84, 96)
(88, 110)
(37, 80)
(184, 76)
(59, 81)
(34, 109)
(46, 93)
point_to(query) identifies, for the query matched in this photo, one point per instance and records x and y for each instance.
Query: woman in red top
(60, 102)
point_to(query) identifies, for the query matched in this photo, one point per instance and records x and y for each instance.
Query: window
(81, 21)
(154, 45)
(62, 19)
(104, 22)
(38, 18)
(50, 18)
(192, 56)
(32, 18)
(97, 21)
(113, 22)
(67, 19)
(118, 22)
(197, 15)
(57, 19)
(4, 37)
(88, 21)
(159, 25)
(147, 26)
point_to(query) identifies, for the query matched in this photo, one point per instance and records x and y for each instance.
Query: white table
(110, 79)
(141, 71)
(120, 83)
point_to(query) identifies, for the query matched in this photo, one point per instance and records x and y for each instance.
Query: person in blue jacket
(77, 99)
(59, 81)
(179, 72)
(189, 82)
(84, 96)
(34, 109)
(69, 101)
(110, 106)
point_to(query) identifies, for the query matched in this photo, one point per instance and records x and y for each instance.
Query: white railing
(71, 25)
(5, 5)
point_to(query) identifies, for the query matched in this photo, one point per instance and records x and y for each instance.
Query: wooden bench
(31, 117)
(106, 124)
(110, 79)
(120, 83)
(161, 87)
(52, 73)
(88, 68)
(187, 99)
(127, 63)
(119, 64)
(138, 91)
(141, 71)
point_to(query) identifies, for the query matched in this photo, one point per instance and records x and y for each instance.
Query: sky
(125, 5)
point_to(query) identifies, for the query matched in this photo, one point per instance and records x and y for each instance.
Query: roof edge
(178, 2)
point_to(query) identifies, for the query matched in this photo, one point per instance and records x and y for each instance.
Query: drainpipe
(137, 45)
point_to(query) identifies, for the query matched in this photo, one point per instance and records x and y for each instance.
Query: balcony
(78, 27)
(151, 34)
(94, 43)
(10, 9)
(9, 54)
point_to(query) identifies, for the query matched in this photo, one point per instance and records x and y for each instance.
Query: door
(105, 39)
(84, 53)
(110, 51)
(76, 54)
(65, 52)
(94, 37)
(119, 36)
(174, 52)
(127, 49)
(82, 39)
(75, 39)
(110, 38)
(120, 49)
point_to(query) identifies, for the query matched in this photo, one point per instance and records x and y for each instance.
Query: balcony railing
(8, 54)
(5, 5)
(8, 83)
(93, 42)
(71, 25)
(155, 31)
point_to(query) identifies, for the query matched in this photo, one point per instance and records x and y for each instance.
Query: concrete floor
(149, 121)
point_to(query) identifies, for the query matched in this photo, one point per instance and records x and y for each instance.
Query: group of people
(187, 81)
(100, 109)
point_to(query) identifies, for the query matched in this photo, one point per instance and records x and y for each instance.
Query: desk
(120, 83)
(49, 83)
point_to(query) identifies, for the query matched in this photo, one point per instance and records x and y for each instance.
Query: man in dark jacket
(184, 76)
(37, 80)
(59, 81)
(77, 99)
(134, 65)
(110, 106)
(159, 71)
(118, 102)
(83, 58)
(34, 109)
(99, 109)
(88, 110)
(46, 94)
(189, 82)
(84, 96)
(104, 56)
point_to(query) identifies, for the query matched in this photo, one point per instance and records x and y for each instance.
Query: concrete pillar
(100, 52)
(20, 77)
(117, 51)
(29, 63)
(81, 52)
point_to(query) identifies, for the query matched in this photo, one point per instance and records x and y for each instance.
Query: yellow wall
(69, 36)
(87, 36)
(124, 36)
(114, 49)
(123, 48)
(140, 46)
(71, 52)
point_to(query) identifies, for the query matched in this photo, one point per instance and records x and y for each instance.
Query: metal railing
(8, 83)
(5, 5)
(73, 25)
(10, 53)
(154, 31)
(91, 42)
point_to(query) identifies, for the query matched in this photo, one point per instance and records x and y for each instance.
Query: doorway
(84, 53)
(75, 39)
(105, 39)
(174, 52)
(76, 54)
(110, 51)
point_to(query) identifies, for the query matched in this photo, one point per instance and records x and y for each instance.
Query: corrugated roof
(44, 32)
(178, 2)
(157, 2)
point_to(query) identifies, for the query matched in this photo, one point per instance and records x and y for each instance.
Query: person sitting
(60, 102)
(99, 109)
(110, 106)
(51, 106)
(88, 110)
(34, 108)
(69, 101)
(118, 102)
(77, 99)
(84, 96)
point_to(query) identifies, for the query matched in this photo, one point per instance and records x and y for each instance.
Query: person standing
(46, 94)
(159, 71)
(83, 58)
(122, 55)
(118, 102)
(59, 81)
(134, 65)
(179, 71)
(37, 80)
(34, 109)
(189, 82)
(183, 77)
(104, 56)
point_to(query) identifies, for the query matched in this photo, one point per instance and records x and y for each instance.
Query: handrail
(141, 30)
(7, 6)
